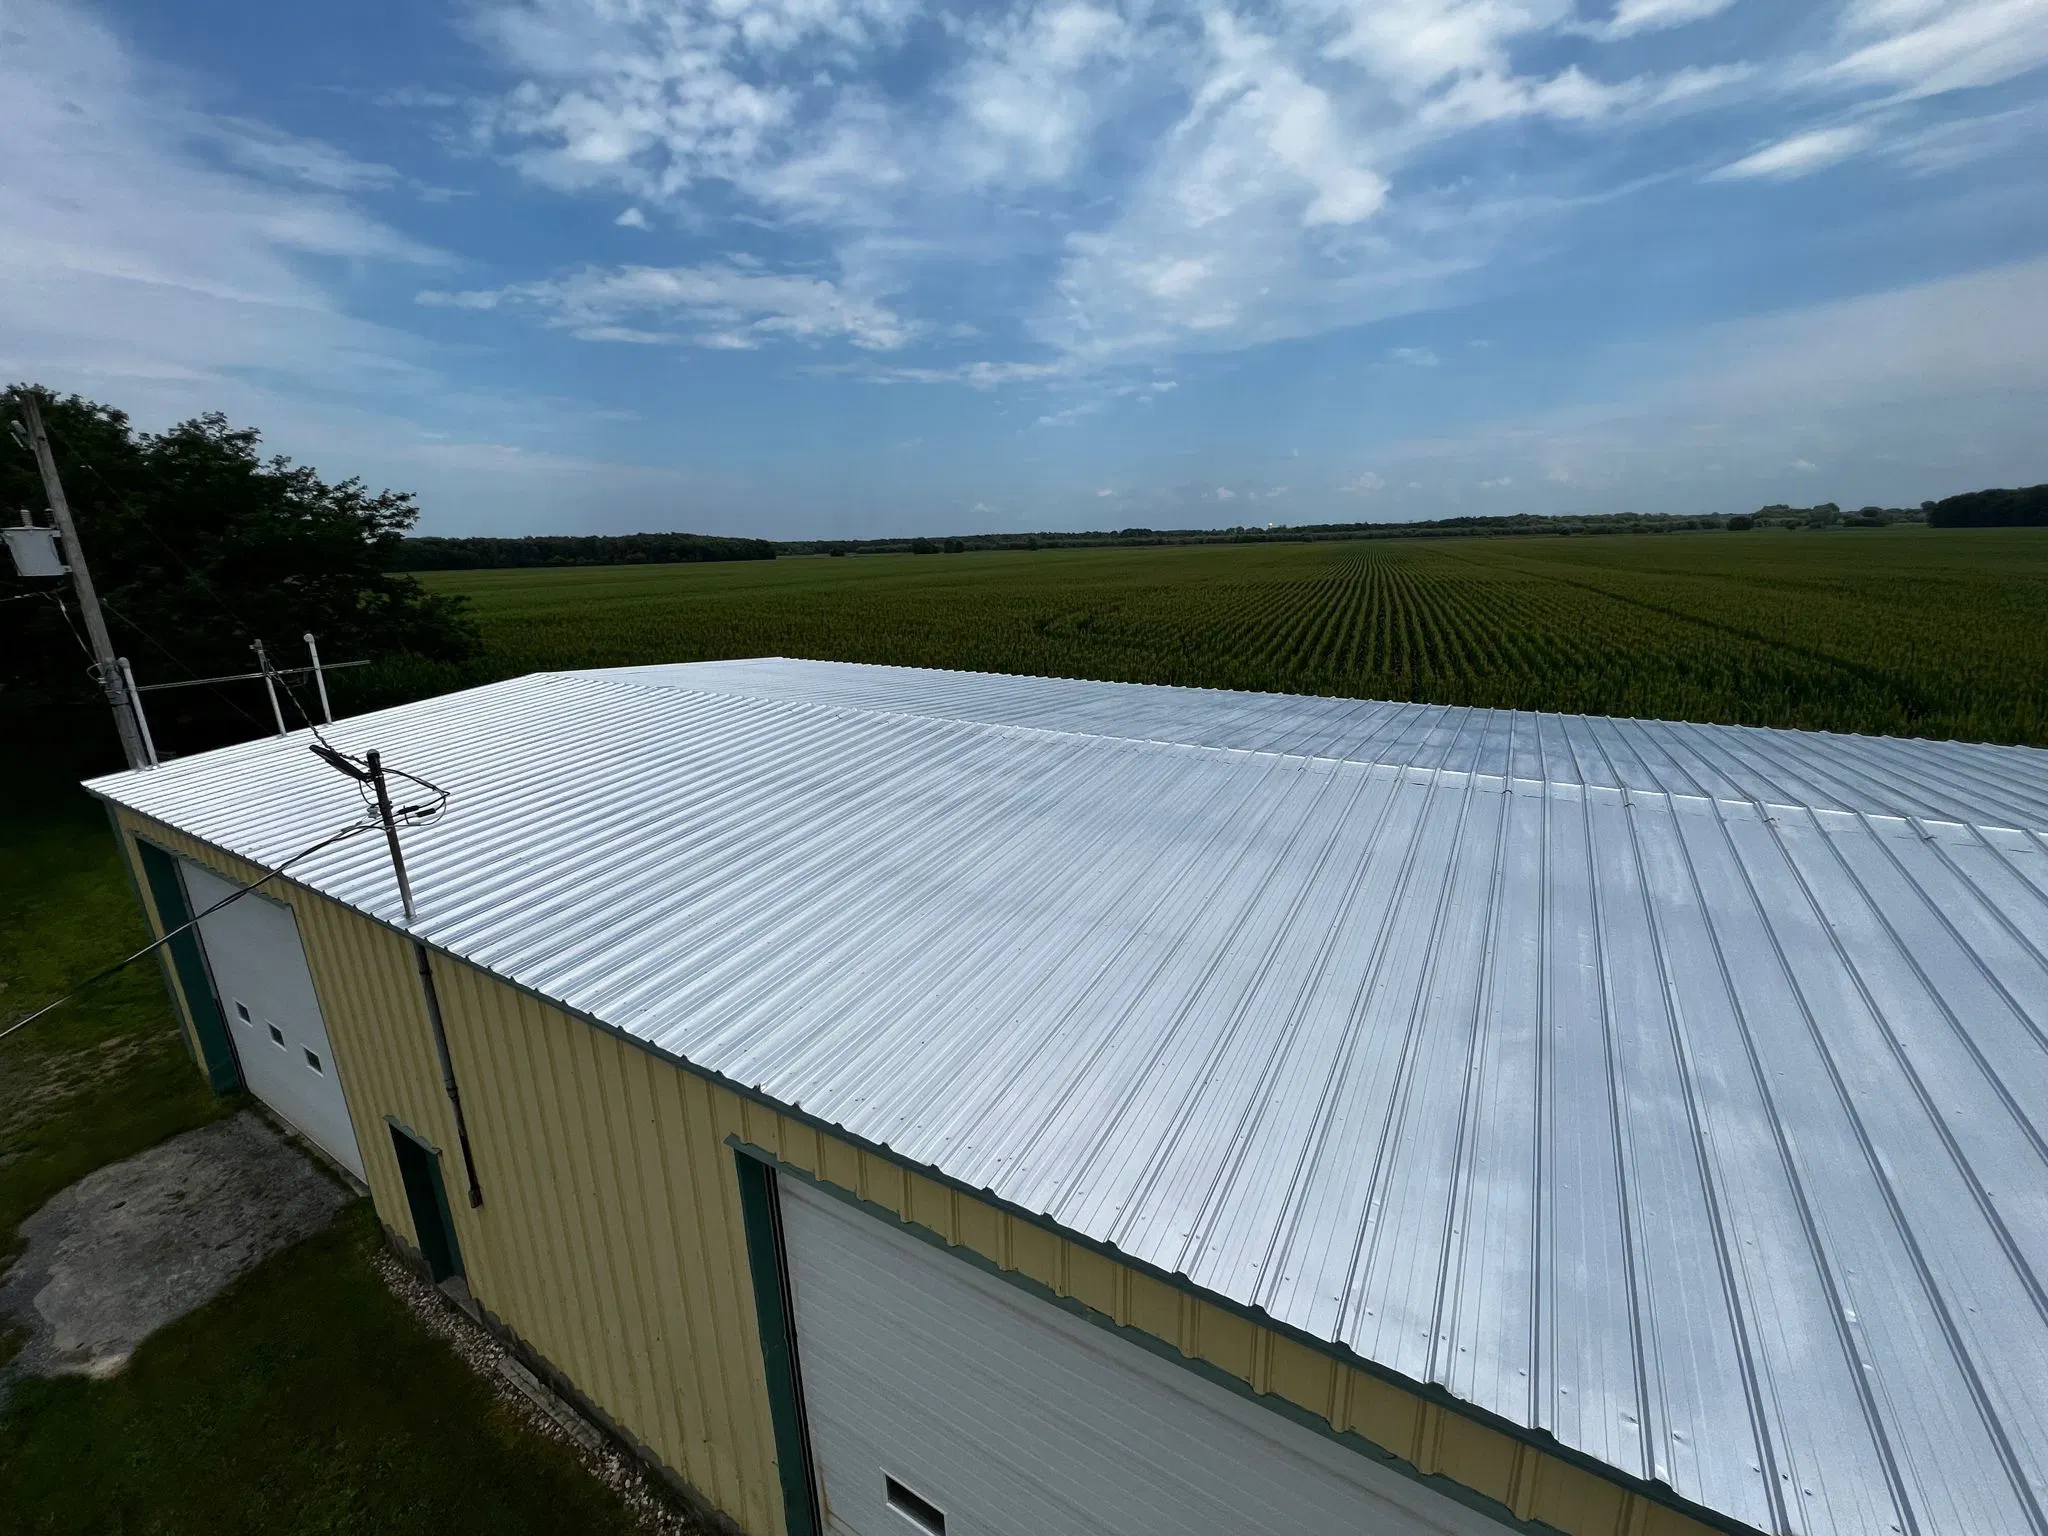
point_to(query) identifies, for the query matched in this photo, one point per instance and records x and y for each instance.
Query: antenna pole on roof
(319, 676)
(369, 769)
(374, 761)
(270, 685)
(135, 703)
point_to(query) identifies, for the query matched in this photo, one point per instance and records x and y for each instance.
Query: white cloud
(721, 307)
(1366, 484)
(632, 218)
(1191, 177)
(133, 262)
(1925, 47)
(1947, 146)
(1105, 491)
(1915, 392)
(1223, 493)
(258, 147)
(1633, 16)
(1800, 155)
(983, 375)
(1033, 87)
(658, 101)
(1414, 357)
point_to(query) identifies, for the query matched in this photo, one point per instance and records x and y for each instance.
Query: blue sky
(858, 267)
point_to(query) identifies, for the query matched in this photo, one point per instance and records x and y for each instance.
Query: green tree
(199, 546)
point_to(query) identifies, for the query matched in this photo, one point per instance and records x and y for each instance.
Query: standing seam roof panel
(1573, 1066)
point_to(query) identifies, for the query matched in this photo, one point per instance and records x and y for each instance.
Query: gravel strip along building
(910, 1101)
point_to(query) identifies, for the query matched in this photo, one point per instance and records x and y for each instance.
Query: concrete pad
(136, 1244)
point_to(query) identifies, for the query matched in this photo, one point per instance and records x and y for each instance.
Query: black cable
(101, 975)
(191, 573)
(411, 815)
(94, 668)
(182, 665)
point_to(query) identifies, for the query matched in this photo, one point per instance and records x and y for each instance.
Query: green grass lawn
(305, 1398)
(107, 1075)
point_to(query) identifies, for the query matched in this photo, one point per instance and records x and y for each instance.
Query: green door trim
(426, 1198)
(202, 1006)
(762, 1216)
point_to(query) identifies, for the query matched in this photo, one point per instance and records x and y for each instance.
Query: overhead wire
(103, 973)
(358, 769)
(184, 666)
(414, 815)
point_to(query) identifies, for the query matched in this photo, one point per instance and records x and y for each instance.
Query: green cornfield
(1904, 631)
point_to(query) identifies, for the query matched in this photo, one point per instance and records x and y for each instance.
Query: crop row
(1915, 632)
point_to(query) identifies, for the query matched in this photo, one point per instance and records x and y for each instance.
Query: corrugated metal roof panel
(1675, 1090)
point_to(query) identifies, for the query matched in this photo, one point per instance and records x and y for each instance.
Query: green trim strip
(763, 1221)
(216, 1047)
(1493, 1509)
(163, 961)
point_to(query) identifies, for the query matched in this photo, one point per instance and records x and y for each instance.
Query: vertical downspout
(419, 952)
(375, 765)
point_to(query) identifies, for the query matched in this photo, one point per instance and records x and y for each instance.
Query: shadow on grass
(106, 1075)
(304, 1399)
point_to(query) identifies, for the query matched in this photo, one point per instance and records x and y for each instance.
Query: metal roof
(1675, 1090)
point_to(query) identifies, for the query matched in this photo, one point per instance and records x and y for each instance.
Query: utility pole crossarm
(105, 664)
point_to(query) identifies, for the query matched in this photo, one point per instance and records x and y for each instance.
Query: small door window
(277, 1036)
(920, 1511)
(313, 1061)
(242, 1013)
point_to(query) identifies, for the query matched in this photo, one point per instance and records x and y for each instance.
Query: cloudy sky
(847, 267)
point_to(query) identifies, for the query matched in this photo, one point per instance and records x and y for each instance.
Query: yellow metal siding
(610, 1239)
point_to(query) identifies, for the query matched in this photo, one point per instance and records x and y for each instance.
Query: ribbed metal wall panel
(1571, 1066)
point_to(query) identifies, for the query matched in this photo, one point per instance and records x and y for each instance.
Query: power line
(183, 665)
(192, 573)
(101, 975)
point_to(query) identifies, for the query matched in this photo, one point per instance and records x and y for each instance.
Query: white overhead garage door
(944, 1399)
(266, 994)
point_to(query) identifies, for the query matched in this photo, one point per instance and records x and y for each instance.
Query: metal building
(918, 1101)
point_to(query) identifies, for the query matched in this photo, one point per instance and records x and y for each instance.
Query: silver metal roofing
(1676, 1090)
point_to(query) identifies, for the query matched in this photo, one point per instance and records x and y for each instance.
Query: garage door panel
(266, 994)
(1016, 1418)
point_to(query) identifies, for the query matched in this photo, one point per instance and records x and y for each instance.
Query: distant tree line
(1827, 514)
(1447, 527)
(1977, 509)
(474, 554)
(2025, 508)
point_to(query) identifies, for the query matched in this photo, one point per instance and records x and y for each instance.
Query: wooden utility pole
(106, 666)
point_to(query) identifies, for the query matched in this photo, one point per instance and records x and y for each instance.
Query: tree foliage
(199, 545)
(2023, 508)
(470, 554)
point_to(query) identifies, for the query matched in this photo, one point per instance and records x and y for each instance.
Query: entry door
(266, 993)
(945, 1401)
